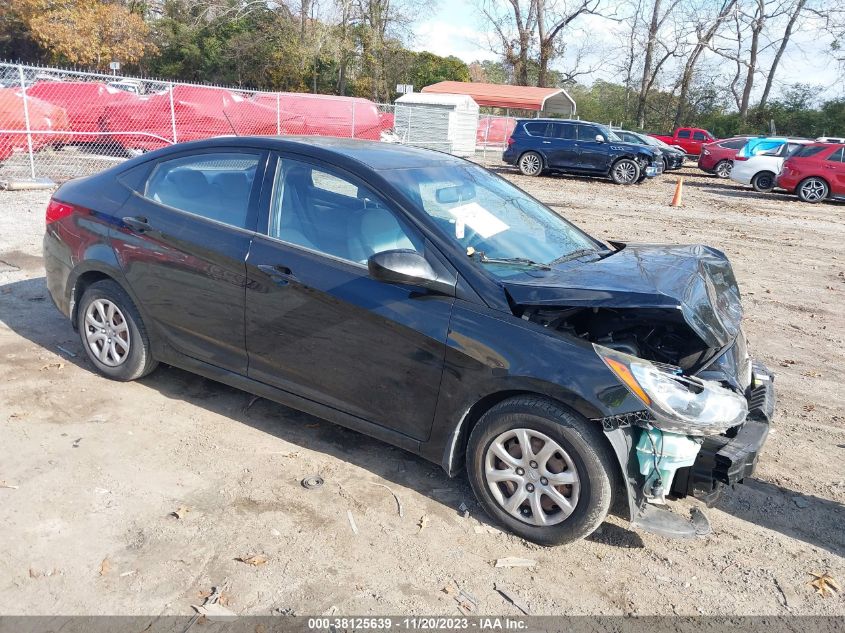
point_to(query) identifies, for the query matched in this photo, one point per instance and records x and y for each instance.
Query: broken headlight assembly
(679, 404)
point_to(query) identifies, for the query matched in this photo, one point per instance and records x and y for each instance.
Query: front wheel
(625, 172)
(763, 182)
(531, 164)
(812, 190)
(541, 471)
(112, 332)
(723, 168)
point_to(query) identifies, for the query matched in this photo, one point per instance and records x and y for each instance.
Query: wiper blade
(579, 253)
(514, 261)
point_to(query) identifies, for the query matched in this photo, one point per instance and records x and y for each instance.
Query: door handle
(137, 223)
(278, 273)
(546, 142)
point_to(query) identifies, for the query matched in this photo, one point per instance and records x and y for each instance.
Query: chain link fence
(58, 124)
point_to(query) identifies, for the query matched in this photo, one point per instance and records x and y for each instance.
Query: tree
(85, 32)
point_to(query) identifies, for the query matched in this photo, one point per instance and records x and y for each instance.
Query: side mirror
(404, 266)
(599, 138)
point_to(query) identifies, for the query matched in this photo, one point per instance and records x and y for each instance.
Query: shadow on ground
(25, 307)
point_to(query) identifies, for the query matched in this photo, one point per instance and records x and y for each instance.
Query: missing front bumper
(726, 460)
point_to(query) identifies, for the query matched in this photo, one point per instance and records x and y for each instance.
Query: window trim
(253, 208)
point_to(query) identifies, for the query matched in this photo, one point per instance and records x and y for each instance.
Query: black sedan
(425, 301)
(673, 157)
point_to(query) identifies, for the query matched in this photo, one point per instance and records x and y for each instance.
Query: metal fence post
(26, 121)
(172, 113)
(353, 119)
(278, 116)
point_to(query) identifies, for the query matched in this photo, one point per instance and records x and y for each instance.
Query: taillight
(57, 210)
(738, 157)
(511, 141)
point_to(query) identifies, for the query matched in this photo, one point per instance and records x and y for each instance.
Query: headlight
(706, 152)
(680, 404)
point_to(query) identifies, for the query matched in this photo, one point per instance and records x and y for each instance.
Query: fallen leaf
(423, 522)
(180, 512)
(787, 362)
(34, 573)
(825, 584)
(105, 566)
(53, 366)
(809, 407)
(256, 560)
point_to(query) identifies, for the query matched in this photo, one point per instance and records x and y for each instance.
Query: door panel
(316, 323)
(592, 155)
(189, 272)
(563, 146)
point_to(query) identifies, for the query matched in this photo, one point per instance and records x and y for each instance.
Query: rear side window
(735, 144)
(537, 128)
(683, 134)
(837, 156)
(565, 131)
(215, 186)
(809, 150)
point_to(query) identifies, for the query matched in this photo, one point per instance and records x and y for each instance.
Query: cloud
(447, 38)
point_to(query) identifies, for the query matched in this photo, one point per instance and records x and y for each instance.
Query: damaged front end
(693, 408)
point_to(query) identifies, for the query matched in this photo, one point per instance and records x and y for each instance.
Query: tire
(812, 190)
(530, 164)
(763, 182)
(625, 171)
(723, 168)
(581, 456)
(106, 304)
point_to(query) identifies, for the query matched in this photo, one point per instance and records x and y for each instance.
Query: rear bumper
(57, 268)
(725, 461)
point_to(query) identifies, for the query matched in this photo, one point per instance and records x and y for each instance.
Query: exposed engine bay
(657, 335)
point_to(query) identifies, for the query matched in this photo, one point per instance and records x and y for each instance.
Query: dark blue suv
(579, 147)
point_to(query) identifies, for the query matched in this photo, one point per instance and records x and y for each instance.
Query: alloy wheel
(530, 164)
(107, 332)
(625, 172)
(723, 169)
(813, 190)
(532, 477)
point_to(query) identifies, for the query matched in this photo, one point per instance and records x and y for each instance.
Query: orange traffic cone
(679, 193)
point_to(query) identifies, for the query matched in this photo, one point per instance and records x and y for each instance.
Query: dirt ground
(92, 469)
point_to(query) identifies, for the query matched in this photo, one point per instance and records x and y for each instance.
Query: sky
(456, 28)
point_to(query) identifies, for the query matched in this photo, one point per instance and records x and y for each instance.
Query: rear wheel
(543, 472)
(723, 168)
(812, 190)
(112, 333)
(763, 182)
(625, 172)
(531, 164)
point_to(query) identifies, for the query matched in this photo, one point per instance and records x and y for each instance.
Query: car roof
(554, 120)
(372, 154)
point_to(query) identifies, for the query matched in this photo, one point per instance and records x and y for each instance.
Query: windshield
(490, 218)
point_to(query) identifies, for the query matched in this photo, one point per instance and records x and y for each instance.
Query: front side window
(216, 186)
(486, 215)
(699, 136)
(333, 215)
(588, 133)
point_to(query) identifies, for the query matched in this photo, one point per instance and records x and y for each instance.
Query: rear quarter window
(808, 151)
(734, 144)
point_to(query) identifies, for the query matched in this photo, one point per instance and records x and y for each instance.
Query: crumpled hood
(696, 279)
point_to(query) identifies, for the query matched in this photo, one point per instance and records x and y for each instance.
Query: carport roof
(546, 100)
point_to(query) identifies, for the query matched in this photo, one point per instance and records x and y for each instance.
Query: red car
(815, 172)
(717, 157)
(689, 139)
